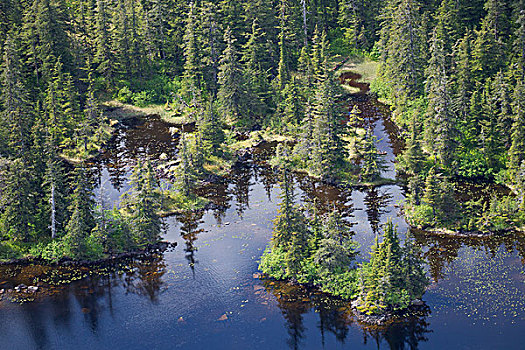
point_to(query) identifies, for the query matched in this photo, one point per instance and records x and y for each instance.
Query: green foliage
(309, 250)
(393, 277)
(142, 203)
(502, 214)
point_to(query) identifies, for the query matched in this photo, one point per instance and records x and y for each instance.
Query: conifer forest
(263, 174)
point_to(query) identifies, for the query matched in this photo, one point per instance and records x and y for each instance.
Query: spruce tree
(517, 149)
(143, 203)
(336, 248)
(82, 221)
(394, 276)
(192, 64)
(403, 43)
(372, 163)
(488, 49)
(290, 233)
(122, 40)
(232, 90)
(211, 133)
(103, 55)
(440, 114)
(185, 171)
(211, 44)
(16, 113)
(255, 75)
(518, 57)
(329, 155)
(413, 158)
(463, 77)
(54, 183)
(17, 202)
(432, 195)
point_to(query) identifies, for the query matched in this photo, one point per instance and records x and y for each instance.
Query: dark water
(207, 294)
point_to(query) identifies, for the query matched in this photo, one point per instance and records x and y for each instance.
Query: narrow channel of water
(207, 293)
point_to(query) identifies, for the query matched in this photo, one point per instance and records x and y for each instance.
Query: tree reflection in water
(442, 251)
(403, 334)
(241, 182)
(190, 233)
(376, 202)
(336, 318)
(90, 294)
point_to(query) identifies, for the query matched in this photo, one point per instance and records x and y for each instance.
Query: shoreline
(112, 257)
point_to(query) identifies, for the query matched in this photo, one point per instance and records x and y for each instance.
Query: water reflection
(190, 231)
(241, 182)
(408, 333)
(335, 318)
(376, 202)
(69, 292)
(96, 293)
(295, 301)
(442, 251)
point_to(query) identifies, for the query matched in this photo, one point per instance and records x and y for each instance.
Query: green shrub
(143, 98)
(420, 216)
(273, 263)
(125, 95)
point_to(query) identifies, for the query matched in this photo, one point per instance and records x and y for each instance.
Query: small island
(317, 250)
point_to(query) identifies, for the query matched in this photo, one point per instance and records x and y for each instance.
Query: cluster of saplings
(320, 251)
(454, 73)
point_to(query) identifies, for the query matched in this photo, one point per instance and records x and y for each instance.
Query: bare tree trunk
(305, 26)
(53, 212)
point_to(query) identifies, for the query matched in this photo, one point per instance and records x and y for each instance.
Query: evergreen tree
(192, 65)
(122, 40)
(256, 76)
(232, 92)
(336, 248)
(413, 158)
(211, 133)
(489, 49)
(283, 72)
(328, 129)
(403, 43)
(45, 29)
(16, 114)
(211, 45)
(17, 202)
(440, 115)
(55, 188)
(432, 196)
(143, 203)
(82, 221)
(185, 171)
(464, 83)
(61, 103)
(103, 56)
(393, 277)
(517, 150)
(518, 59)
(290, 232)
(373, 162)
